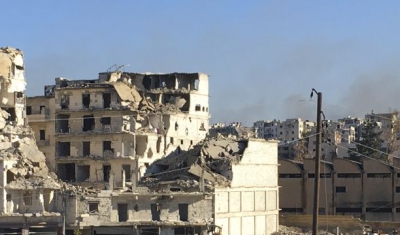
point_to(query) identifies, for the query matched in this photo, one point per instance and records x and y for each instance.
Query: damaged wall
(87, 172)
(166, 208)
(12, 88)
(40, 112)
(98, 146)
(99, 98)
(252, 198)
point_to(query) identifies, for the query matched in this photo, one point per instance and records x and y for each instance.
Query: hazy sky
(263, 57)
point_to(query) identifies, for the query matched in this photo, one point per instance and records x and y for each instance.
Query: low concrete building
(369, 189)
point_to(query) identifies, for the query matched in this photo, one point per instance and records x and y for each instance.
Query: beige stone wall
(250, 205)
(199, 207)
(75, 98)
(42, 118)
(247, 210)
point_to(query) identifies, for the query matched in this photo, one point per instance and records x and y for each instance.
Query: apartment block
(133, 157)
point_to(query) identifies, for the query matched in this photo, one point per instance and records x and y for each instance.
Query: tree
(370, 144)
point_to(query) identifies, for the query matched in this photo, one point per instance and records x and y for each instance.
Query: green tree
(370, 144)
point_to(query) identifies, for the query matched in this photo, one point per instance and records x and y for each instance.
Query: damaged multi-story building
(132, 149)
(29, 193)
(100, 126)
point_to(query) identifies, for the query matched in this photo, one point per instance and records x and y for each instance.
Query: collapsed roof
(210, 160)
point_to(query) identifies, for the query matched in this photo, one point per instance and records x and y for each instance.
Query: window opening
(106, 100)
(83, 173)
(28, 110)
(27, 198)
(122, 212)
(127, 169)
(62, 123)
(155, 212)
(93, 207)
(183, 211)
(86, 148)
(86, 100)
(42, 135)
(88, 123)
(106, 172)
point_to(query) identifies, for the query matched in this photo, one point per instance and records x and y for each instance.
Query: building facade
(130, 149)
(369, 189)
(30, 195)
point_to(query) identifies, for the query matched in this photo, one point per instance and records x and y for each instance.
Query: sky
(263, 57)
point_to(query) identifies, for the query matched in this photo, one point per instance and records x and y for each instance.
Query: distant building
(368, 189)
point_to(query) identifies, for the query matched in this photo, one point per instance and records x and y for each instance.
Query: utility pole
(317, 162)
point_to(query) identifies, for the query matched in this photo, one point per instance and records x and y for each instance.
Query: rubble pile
(210, 161)
(284, 230)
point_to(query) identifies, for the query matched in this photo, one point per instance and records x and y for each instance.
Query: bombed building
(131, 156)
(29, 193)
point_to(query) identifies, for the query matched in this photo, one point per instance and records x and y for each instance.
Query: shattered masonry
(130, 156)
(27, 187)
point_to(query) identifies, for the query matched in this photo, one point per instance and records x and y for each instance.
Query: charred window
(88, 123)
(155, 212)
(86, 148)
(63, 149)
(64, 101)
(62, 123)
(122, 212)
(105, 120)
(147, 82)
(12, 117)
(127, 169)
(28, 110)
(183, 212)
(107, 146)
(93, 207)
(106, 172)
(86, 100)
(27, 198)
(106, 100)
(198, 107)
(83, 173)
(10, 177)
(66, 171)
(42, 135)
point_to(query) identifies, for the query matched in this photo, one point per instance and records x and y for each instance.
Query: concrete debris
(33, 183)
(11, 72)
(24, 164)
(234, 130)
(284, 230)
(129, 95)
(209, 162)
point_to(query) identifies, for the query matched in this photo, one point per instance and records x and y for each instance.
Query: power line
(357, 143)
